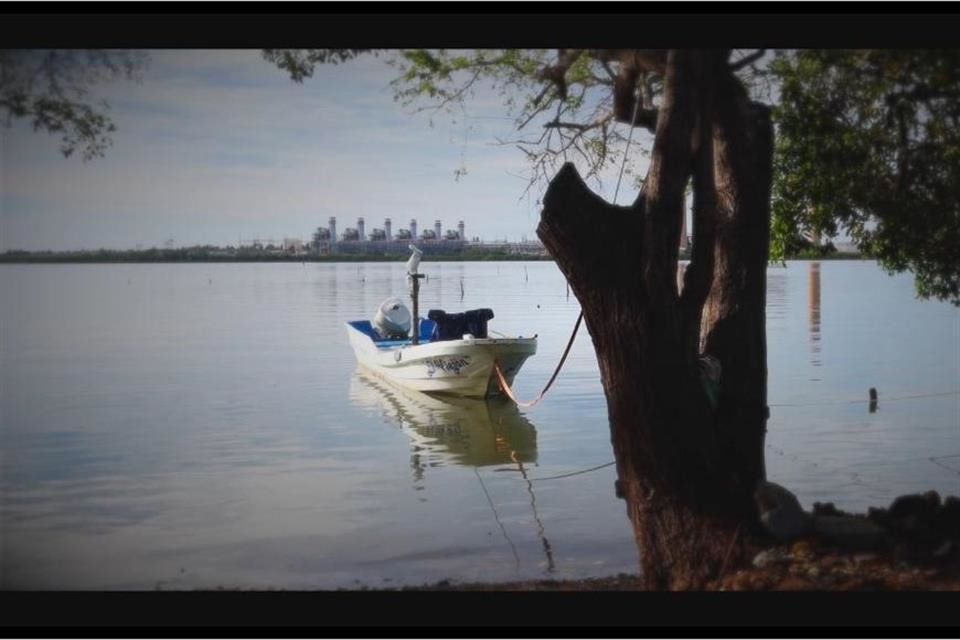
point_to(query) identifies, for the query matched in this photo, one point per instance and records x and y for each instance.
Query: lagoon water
(195, 426)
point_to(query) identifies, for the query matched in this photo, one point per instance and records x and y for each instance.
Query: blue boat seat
(427, 329)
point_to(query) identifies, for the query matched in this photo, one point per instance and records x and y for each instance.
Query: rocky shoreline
(913, 545)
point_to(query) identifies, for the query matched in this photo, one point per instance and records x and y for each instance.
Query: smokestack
(413, 229)
(386, 230)
(360, 234)
(332, 226)
(460, 230)
(436, 228)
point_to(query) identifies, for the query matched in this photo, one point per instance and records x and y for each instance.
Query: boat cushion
(452, 326)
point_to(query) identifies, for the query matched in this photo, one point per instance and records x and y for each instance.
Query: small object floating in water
(873, 400)
(442, 353)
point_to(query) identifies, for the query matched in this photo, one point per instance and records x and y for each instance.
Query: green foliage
(300, 63)
(50, 90)
(556, 122)
(869, 143)
(450, 76)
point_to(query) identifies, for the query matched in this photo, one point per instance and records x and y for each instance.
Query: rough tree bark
(687, 470)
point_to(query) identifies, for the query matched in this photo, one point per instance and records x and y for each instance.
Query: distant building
(293, 245)
(322, 241)
(383, 242)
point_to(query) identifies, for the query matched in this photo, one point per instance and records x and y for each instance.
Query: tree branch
(556, 73)
(747, 60)
(577, 126)
(920, 93)
(452, 97)
(669, 170)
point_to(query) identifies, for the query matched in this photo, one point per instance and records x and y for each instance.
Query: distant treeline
(215, 254)
(204, 254)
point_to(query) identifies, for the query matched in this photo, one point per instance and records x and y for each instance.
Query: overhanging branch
(578, 126)
(556, 73)
(747, 60)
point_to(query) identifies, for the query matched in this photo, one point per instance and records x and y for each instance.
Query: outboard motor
(393, 319)
(453, 326)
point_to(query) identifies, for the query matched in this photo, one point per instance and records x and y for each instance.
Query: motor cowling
(393, 319)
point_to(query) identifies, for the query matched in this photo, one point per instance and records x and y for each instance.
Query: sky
(220, 147)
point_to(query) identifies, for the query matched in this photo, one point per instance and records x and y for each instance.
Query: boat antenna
(412, 264)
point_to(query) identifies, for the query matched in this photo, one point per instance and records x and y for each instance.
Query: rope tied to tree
(501, 378)
(505, 386)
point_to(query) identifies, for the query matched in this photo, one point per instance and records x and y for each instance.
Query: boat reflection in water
(466, 431)
(459, 431)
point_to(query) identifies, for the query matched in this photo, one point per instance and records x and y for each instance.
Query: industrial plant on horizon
(354, 240)
(383, 241)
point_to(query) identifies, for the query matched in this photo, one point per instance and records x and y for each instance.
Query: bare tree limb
(747, 60)
(449, 98)
(556, 73)
(578, 126)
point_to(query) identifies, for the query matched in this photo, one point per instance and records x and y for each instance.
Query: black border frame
(476, 614)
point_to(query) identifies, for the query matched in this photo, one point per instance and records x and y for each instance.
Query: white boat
(435, 357)
(462, 367)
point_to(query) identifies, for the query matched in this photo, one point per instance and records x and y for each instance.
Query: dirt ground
(803, 566)
(917, 549)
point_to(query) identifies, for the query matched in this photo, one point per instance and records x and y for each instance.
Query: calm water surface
(181, 426)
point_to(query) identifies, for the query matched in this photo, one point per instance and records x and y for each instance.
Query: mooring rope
(505, 386)
(497, 517)
(536, 516)
(936, 460)
(855, 477)
(574, 473)
(626, 149)
(496, 365)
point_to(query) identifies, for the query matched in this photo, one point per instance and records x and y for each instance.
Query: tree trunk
(687, 470)
(734, 317)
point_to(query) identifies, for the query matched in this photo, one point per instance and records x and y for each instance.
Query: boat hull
(459, 367)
